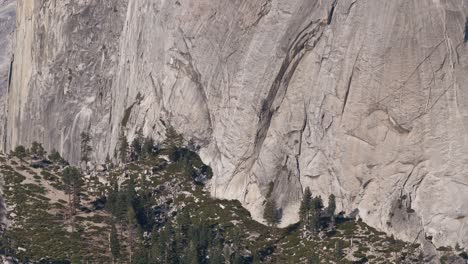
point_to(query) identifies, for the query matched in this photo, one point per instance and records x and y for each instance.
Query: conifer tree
(216, 253)
(314, 259)
(20, 152)
(136, 149)
(331, 210)
(318, 203)
(123, 147)
(55, 156)
(147, 148)
(85, 147)
(173, 139)
(314, 221)
(141, 255)
(339, 254)
(131, 230)
(73, 182)
(305, 207)
(271, 213)
(37, 149)
(114, 243)
(331, 205)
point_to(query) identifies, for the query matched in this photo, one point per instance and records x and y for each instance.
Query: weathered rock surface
(363, 99)
(7, 26)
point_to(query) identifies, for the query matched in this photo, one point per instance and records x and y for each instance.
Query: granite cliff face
(7, 26)
(363, 99)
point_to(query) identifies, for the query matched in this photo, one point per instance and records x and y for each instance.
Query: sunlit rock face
(363, 99)
(7, 26)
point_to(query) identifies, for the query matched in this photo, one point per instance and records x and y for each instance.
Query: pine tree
(73, 182)
(339, 254)
(141, 255)
(130, 192)
(136, 149)
(184, 223)
(168, 244)
(173, 142)
(173, 139)
(37, 149)
(123, 148)
(216, 253)
(331, 210)
(271, 213)
(157, 246)
(314, 259)
(55, 156)
(191, 254)
(305, 207)
(147, 148)
(331, 205)
(131, 229)
(314, 221)
(20, 152)
(112, 197)
(114, 243)
(85, 147)
(318, 203)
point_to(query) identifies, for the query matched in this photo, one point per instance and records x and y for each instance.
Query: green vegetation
(20, 152)
(123, 147)
(156, 209)
(85, 147)
(38, 150)
(271, 213)
(114, 243)
(72, 181)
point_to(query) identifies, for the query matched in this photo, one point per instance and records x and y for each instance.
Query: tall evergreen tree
(37, 149)
(131, 230)
(85, 147)
(339, 253)
(317, 203)
(191, 254)
(271, 213)
(331, 210)
(305, 207)
(141, 255)
(173, 139)
(147, 148)
(313, 259)
(71, 178)
(112, 197)
(314, 221)
(20, 152)
(55, 156)
(123, 147)
(136, 149)
(114, 243)
(216, 253)
(331, 205)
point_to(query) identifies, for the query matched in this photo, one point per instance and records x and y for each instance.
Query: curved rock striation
(363, 99)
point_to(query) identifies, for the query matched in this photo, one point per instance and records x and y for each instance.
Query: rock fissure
(466, 31)
(332, 10)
